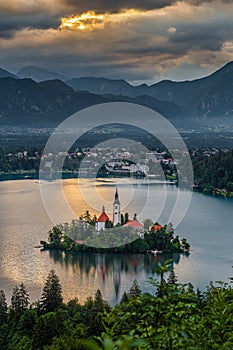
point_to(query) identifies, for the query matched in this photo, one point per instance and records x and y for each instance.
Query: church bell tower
(116, 210)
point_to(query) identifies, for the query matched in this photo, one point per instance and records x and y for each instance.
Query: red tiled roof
(103, 217)
(155, 227)
(134, 224)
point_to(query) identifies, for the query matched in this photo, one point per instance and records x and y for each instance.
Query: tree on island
(55, 236)
(51, 298)
(86, 217)
(122, 220)
(185, 245)
(126, 217)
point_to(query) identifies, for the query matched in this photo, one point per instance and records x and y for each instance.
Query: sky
(139, 41)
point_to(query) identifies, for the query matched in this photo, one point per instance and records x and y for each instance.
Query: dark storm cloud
(117, 5)
(114, 6)
(200, 2)
(11, 24)
(202, 36)
(42, 15)
(140, 46)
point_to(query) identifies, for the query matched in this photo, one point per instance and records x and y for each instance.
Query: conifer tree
(135, 290)
(3, 308)
(19, 300)
(122, 220)
(99, 303)
(51, 297)
(124, 298)
(172, 278)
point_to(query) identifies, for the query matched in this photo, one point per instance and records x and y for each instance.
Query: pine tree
(126, 217)
(172, 278)
(99, 303)
(3, 308)
(124, 298)
(19, 300)
(51, 297)
(135, 290)
(122, 220)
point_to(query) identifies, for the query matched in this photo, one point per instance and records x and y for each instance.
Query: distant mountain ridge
(209, 96)
(39, 74)
(24, 102)
(51, 101)
(5, 74)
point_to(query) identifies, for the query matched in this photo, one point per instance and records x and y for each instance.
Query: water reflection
(109, 268)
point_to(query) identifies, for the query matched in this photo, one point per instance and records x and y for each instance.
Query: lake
(24, 222)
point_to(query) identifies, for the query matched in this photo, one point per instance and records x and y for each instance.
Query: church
(101, 221)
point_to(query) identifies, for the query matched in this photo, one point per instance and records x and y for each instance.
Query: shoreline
(17, 176)
(93, 250)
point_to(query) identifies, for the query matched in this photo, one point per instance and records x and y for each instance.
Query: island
(155, 240)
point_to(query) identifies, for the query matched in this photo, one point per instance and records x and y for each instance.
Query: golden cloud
(91, 20)
(85, 21)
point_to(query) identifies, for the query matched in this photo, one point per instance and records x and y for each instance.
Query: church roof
(103, 217)
(133, 224)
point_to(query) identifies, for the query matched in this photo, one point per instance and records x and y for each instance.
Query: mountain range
(38, 97)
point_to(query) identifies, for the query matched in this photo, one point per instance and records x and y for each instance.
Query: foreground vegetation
(176, 317)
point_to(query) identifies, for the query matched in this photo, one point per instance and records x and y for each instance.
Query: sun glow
(88, 20)
(91, 20)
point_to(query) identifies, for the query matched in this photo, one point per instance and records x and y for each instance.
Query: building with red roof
(135, 225)
(155, 227)
(100, 223)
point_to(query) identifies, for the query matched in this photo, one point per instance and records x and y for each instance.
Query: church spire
(117, 201)
(116, 209)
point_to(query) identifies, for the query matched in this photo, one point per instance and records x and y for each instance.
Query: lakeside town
(212, 167)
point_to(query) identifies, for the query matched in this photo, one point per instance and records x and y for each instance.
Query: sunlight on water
(24, 223)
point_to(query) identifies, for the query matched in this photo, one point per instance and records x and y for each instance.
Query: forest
(213, 170)
(176, 316)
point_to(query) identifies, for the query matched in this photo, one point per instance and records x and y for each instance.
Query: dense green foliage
(82, 236)
(176, 317)
(15, 159)
(213, 170)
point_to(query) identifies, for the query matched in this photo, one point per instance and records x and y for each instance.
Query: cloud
(134, 45)
(16, 15)
(114, 6)
(171, 30)
(10, 25)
